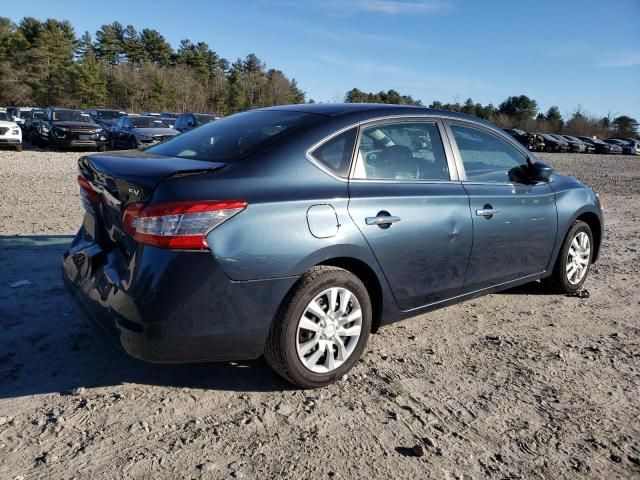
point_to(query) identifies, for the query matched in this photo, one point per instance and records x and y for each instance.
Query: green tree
(520, 108)
(132, 45)
(90, 86)
(156, 48)
(625, 127)
(110, 43)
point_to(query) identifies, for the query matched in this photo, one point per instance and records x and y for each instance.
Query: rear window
(233, 137)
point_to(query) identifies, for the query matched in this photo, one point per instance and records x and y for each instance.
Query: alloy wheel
(578, 258)
(328, 330)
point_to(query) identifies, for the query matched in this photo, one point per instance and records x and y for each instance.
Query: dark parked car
(138, 132)
(530, 140)
(628, 148)
(588, 148)
(552, 144)
(106, 118)
(188, 121)
(575, 146)
(169, 118)
(295, 231)
(65, 128)
(602, 147)
(31, 122)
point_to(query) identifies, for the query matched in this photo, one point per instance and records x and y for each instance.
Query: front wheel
(574, 260)
(321, 329)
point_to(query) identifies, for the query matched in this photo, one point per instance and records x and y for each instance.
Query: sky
(571, 53)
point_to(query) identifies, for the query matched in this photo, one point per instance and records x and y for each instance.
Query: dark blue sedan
(296, 231)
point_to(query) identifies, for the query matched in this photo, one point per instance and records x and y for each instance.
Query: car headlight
(45, 129)
(145, 138)
(15, 131)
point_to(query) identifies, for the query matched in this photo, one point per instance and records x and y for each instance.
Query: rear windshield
(233, 137)
(202, 119)
(148, 122)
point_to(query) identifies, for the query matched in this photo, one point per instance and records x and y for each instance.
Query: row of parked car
(551, 142)
(62, 128)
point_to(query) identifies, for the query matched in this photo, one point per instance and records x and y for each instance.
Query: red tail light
(87, 193)
(179, 225)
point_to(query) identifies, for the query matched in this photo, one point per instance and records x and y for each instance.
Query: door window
(486, 157)
(401, 151)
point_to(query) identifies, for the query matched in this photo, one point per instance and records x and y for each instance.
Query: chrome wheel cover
(578, 258)
(328, 330)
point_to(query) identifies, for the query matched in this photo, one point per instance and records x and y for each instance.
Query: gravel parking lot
(522, 384)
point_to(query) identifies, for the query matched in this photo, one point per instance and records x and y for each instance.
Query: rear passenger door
(514, 222)
(405, 197)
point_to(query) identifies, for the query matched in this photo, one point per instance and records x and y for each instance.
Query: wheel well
(370, 280)
(593, 221)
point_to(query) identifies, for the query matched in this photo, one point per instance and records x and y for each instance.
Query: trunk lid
(123, 178)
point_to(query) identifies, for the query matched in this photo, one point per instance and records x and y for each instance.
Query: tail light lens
(178, 225)
(87, 194)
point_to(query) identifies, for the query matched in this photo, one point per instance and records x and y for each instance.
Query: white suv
(10, 133)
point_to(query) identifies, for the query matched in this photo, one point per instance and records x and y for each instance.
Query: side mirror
(539, 171)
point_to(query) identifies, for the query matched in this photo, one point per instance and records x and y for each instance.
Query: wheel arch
(370, 280)
(593, 221)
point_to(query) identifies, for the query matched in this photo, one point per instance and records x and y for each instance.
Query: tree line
(45, 63)
(519, 112)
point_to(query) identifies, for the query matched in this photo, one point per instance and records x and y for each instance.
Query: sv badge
(134, 191)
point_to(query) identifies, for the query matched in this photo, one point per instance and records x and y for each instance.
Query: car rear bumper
(171, 306)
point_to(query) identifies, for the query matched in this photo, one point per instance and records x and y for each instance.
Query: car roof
(374, 109)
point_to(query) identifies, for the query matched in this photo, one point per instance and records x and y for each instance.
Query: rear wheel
(321, 329)
(574, 260)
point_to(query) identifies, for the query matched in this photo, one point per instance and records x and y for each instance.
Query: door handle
(487, 212)
(382, 220)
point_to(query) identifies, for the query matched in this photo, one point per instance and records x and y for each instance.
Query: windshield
(70, 115)
(202, 119)
(109, 114)
(38, 114)
(4, 116)
(233, 137)
(148, 122)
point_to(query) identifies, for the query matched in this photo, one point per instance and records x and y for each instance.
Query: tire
(18, 148)
(101, 148)
(133, 144)
(559, 279)
(287, 337)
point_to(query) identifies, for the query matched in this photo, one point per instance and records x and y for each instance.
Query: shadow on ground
(45, 347)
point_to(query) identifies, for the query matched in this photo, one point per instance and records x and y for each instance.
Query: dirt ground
(521, 384)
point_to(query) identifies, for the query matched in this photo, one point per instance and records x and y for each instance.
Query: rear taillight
(87, 194)
(179, 225)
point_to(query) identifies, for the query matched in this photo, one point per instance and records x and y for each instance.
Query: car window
(401, 151)
(236, 136)
(335, 154)
(486, 157)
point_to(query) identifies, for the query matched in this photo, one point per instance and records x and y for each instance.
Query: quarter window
(335, 154)
(486, 157)
(401, 151)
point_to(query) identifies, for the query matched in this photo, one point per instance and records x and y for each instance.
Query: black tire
(558, 280)
(101, 148)
(18, 148)
(280, 350)
(133, 144)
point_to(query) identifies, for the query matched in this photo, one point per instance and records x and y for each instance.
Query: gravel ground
(521, 384)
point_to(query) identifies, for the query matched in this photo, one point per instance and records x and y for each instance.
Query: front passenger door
(514, 222)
